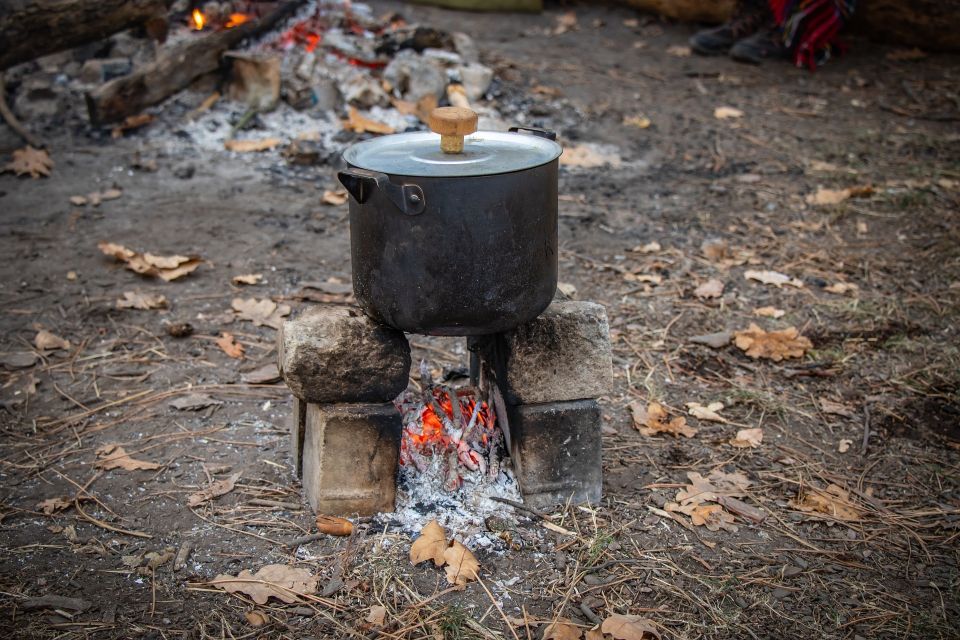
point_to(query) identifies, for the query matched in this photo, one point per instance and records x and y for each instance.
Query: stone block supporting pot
(555, 448)
(349, 458)
(338, 355)
(562, 355)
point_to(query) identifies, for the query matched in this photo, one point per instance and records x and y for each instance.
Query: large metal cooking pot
(454, 234)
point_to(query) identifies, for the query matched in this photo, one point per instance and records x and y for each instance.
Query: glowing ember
(450, 440)
(236, 19)
(197, 20)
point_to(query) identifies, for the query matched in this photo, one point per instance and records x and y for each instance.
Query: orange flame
(198, 20)
(236, 19)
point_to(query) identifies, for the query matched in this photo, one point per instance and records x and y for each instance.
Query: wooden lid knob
(452, 123)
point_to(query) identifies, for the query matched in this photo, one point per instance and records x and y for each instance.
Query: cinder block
(562, 355)
(350, 455)
(337, 355)
(555, 449)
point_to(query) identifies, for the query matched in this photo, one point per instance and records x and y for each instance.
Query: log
(33, 28)
(175, 69)
(929, 24)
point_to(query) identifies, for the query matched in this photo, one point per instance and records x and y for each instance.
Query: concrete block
(555, 449)
(337, 355)
(562, 355)
(350, 455)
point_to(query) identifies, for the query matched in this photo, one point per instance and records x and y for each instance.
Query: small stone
(335, 354)
(476, 80)
(416, 76)
(713, 340)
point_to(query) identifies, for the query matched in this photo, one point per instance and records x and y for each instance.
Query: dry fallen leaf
(110, 456)
(623, 627)
(52, 505)
(215, 490)
(137, 300)
(651, 247)
(747, 438)
(462, 565)
(769, 312)
(361, 124)
(278, 581)
(256, 618)
(333, 526)
(249, 146)
(562, 629)
(842, 288)
(430, 545)
(835, 408)
(640, 122)
(264, 312)
(44, 340)
(725, 113)
(825, 196)
(844, 445)
(773, 345)
(248, 278)
(712, 516)
(679, 51)
(335, 198)
(832, 501)
(165, 267)
(35, 162)
(230, 346)
(377, 615)
(566, 22)
(708, 412)
(712, 288)
(775, 278)
(653, 419)
(589, 156)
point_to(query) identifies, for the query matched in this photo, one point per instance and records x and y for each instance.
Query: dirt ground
(873, 408)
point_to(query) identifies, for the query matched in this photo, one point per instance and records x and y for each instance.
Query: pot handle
(361, 184)
(543, 133)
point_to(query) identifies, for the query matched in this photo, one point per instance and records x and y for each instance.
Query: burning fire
(236, 19)
(197, 20)
(464, 437)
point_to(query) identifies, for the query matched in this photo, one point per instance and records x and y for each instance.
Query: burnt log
(30, 29)
(175, 69)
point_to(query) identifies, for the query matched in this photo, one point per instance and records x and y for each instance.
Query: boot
(765, 43)
(747, 18)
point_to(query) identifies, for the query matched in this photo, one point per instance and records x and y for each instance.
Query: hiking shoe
(748, 16)
(765, 43)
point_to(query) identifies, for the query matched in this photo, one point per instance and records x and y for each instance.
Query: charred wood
(175, 69)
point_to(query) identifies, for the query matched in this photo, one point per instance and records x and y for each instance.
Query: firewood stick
(175, 69)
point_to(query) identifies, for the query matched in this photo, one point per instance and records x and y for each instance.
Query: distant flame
(198, 20)
(236, 19)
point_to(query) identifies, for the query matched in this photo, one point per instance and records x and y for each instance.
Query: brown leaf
(712, 288)
(248, 278)
(832, 501)
(256, 618)
(249, 146)
(624, 627)
(640, 122)
(264, 312)
(727, 113)
(35, 162)
(279, 581)
(110, 456)
(835, 408)
(335, 198)
(589, 156)
(78, 201)
(462, 566)
(215, 490)
(165, 267)
(377, 615)
(775, 278)
(44, 340)
(361, 124)
(52, 505)
(679, 51)
(747, 438)
(773, 345)
(230, 346)
(836, 196)
(653, 419)
(566, 22)
(769, 312)
(334, 526)
(842, 288)
(711, 516)
(562, 629)
(708, 412)
(137, 300)
(430, 545)
(194, 402)
(267, 374)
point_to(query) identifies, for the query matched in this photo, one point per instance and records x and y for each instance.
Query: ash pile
(299, 79)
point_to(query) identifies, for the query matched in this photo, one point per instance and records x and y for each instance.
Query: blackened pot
(454, 254)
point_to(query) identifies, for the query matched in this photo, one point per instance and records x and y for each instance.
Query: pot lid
(484, 153)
